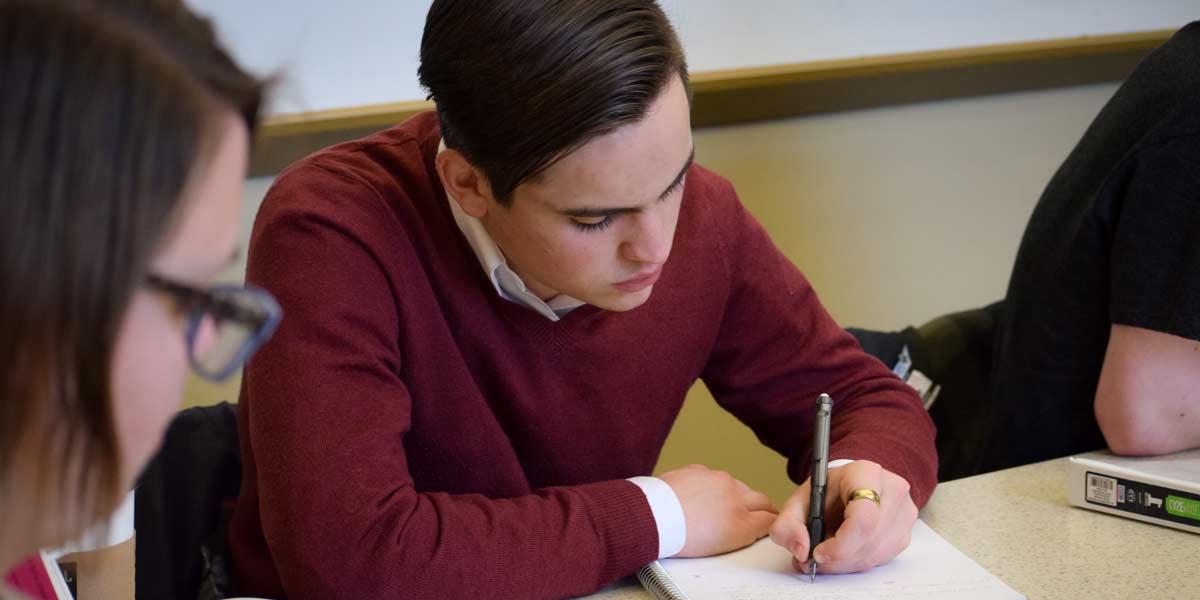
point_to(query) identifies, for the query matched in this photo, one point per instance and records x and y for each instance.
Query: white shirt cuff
(841, 462)
(667, 512)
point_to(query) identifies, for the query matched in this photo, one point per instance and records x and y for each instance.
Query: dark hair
(521, 83)
(108, 108)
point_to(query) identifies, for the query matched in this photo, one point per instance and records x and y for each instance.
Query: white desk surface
(1018, 525)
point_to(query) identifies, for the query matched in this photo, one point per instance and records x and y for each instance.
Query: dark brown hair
(108, 107)
(521, 83)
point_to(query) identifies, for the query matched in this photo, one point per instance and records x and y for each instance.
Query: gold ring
(858, 494)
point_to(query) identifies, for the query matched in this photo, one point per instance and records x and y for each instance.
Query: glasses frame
(197, 303)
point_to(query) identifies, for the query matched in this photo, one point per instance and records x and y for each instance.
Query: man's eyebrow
(605, 212)
(678, 178)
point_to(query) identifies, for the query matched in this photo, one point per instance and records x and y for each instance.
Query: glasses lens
(231, 329)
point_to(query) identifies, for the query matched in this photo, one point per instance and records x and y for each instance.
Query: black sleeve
(1155, 260)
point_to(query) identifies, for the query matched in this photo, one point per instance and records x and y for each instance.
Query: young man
(494, 314)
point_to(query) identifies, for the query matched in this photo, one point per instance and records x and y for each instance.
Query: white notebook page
(929, 568)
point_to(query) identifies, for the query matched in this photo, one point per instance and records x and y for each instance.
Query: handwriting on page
(960, 589)
(929, 568)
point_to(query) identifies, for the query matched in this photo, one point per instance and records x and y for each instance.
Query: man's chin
(623, 301)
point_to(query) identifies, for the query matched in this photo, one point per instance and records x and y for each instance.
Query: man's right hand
(722, 513)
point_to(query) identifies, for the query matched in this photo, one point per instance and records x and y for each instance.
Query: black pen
(820, 474)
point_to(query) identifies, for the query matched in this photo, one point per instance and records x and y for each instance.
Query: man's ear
(465, 183)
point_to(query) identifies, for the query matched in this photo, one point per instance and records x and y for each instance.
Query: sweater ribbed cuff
(622, 515)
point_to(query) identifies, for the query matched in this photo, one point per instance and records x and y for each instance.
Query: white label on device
(1101, 489)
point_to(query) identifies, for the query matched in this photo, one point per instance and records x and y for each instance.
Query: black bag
(955, 351)
(182, 507)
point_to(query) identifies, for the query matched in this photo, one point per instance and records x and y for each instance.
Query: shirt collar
(507, 283)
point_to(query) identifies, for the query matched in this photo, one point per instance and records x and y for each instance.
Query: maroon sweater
(408, 433)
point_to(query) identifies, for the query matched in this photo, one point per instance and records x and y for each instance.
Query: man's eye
(592, 223)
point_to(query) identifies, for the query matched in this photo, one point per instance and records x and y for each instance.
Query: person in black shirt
(1097, 341)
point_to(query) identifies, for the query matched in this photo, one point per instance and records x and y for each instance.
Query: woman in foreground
(124, 133)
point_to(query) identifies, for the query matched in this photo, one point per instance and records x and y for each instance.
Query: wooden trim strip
(741, 78)
(320, 121)
(790, 90)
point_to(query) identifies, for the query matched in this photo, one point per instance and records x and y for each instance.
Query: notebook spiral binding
(656, 581)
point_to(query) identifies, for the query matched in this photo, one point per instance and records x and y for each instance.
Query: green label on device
(1145, 499)
(1183, 507)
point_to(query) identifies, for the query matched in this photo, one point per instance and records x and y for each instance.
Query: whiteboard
(358, 52)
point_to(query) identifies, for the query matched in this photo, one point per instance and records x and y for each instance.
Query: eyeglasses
(242, 318)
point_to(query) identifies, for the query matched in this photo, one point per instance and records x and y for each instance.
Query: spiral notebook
(929, 568)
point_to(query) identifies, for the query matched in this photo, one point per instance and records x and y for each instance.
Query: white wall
(904, 213)
(356, 52)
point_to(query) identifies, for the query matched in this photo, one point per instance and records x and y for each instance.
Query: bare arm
(1148, 397)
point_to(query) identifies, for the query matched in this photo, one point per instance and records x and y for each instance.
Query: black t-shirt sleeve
(1155, 259)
